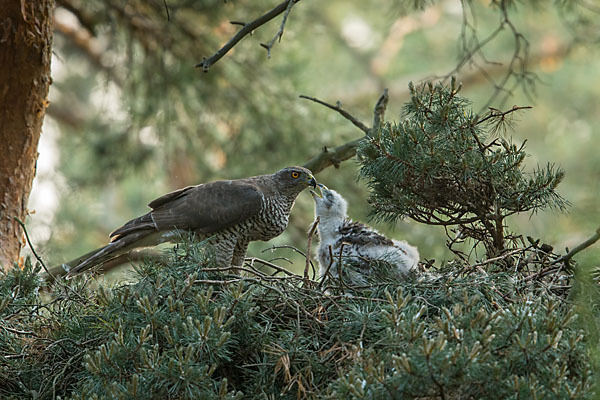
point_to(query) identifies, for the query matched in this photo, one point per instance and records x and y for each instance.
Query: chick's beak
(319, 195)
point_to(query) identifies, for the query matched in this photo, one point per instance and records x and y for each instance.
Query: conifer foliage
(444, 165)
(197, 331)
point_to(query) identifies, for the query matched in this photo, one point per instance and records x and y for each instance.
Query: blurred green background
(131, 118)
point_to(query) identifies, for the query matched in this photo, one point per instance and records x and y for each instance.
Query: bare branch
(339, 109)
(279, 33)
(501, 114)
(494, 259)
(276, 267)
(380, 108)
(311, 232)
(516, 73)
(35, 254)
(348, 150)
(580, 248)
(167, 9)
(334, 157)
(247, 28)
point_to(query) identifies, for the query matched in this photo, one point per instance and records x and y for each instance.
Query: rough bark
(25, 53)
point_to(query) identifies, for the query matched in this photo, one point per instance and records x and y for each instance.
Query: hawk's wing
(204, 208)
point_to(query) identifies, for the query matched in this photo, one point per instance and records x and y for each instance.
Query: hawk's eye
(295, 174)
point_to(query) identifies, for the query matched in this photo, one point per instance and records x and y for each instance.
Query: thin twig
(501, 114)
(167, 8)
(285, 246)
(271, 265)
(328, 268)
(217, 282)
(37, 257)
(311, 232)
(494, 259)
(339, 268)
(579, 248)
(279, 33)
(16, 331)
(348, 150)
(343, 112)
(246, 29)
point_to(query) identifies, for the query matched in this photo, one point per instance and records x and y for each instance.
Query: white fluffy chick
(359, 247)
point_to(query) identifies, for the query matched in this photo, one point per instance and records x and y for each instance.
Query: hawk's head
(292, 180)
(331, 205)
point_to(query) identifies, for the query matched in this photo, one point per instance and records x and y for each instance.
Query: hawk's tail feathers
(100, 256)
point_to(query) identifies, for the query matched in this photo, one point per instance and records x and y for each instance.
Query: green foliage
(442, 165)
(196, 331)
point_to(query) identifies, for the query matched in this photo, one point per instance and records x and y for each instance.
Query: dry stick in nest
(326, 274)
(341, 282)
(287, 246)
(276, 267)
(491, 260)
(311, 232)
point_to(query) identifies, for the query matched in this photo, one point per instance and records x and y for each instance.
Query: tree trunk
(25, 53)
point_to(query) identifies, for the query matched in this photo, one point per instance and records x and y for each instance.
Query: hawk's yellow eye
(295, 174)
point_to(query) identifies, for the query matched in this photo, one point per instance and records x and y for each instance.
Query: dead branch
(279, 33)
(348, 150)
(333, 157)
(380, 109)
(311, 232)
(343, 112)
(494, 259)
(276, 267)
(35, 254)
(565, 259)
(246, 29)
(501, 114)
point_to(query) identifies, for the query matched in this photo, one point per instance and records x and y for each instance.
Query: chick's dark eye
(295, 174)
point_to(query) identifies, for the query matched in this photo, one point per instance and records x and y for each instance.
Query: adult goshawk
(232, 213)
(360, 248)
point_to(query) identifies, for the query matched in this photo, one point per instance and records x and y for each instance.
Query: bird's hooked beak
(312, 182)
(319, 195)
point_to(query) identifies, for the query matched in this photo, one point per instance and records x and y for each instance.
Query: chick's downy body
(359, 247)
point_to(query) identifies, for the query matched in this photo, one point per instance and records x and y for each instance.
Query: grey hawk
(230, 213)
(359, 247)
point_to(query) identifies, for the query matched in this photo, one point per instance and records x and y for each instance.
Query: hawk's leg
(224, 247)
(239, 253)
